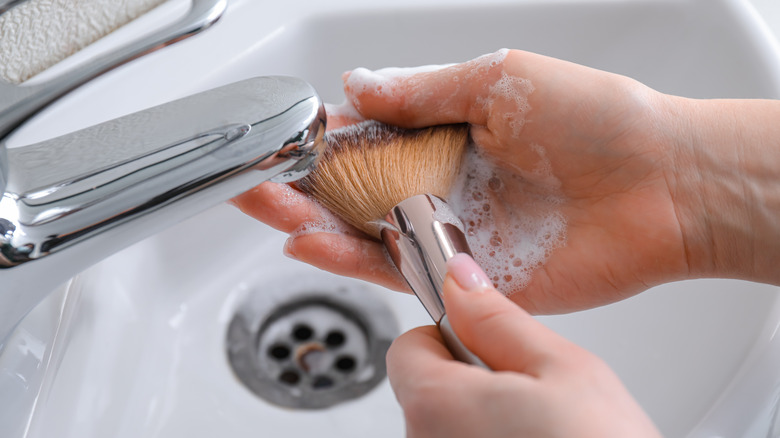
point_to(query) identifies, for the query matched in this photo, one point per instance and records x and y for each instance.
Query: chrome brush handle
(421, 233)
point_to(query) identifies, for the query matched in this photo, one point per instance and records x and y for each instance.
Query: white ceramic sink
(140, 346)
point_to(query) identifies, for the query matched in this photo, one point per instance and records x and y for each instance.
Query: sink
(135, 345)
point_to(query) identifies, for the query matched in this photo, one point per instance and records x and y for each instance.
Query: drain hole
(279, 351)
(335, 339)
(322, 382)
(302, 332)
(311, 348)
(290, 377)
(345, 364)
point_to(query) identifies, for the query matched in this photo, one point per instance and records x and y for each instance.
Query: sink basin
(139, 344)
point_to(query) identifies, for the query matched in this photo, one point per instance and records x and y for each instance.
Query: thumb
(425, 96)
(503, 335)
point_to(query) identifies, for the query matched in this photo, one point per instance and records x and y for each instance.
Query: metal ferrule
(421, 233)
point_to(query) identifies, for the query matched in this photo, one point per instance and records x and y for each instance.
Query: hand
(653, 188)
(541, 384)
(600, 137)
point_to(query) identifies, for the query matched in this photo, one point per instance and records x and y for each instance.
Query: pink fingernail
(467, 273)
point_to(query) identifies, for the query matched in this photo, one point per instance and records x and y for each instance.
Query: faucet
(71, 201)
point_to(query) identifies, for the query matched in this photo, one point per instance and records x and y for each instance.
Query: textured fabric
(39, 33)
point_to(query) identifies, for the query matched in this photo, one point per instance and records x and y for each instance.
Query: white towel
(39, 33)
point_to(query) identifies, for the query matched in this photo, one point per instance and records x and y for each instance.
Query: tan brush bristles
(370, 167)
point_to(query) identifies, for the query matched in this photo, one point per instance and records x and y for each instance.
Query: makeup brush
(392, 184)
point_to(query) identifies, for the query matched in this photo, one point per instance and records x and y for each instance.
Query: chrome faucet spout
(73, 200)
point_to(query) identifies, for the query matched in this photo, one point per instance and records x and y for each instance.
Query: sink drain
(313, 348)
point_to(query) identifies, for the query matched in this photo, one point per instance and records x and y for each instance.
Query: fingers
(425, 345)
(502, 334)
(418, 363)
(429, 96)
(350, 256)
(278, 205)
(442, 397)
(318, 238)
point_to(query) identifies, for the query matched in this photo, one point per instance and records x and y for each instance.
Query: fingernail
(467, 273)
(287, 249)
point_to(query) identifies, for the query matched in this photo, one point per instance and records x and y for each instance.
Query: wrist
(725, 183)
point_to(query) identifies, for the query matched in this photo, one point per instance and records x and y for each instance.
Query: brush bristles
(370, 167)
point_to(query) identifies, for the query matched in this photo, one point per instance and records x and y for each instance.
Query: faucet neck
(92, 192)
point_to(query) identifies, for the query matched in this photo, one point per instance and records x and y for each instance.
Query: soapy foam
(290, 197)
(542, 172)
(366, 129)
(511, 231)
(326, 221)
(480, 66)
(386, 82)
(418, 90)
(383, 82)
(513, 90)
(443, 213)
(345, 111)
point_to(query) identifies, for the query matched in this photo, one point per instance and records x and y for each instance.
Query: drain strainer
(312, 349)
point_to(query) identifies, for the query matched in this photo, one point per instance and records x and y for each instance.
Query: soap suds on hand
(385, 81)
(512, 231)
(512, 225)
(407, 87)
(290, 197)
(342, 114)
(514, 91)
(327, 222)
